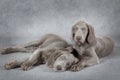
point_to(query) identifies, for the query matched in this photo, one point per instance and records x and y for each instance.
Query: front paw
(26, 66)
(10, 65)
(76, 67)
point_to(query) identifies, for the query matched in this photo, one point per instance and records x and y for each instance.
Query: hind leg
(24, 64)
(14, 49)
(29, 47)
(35, 58)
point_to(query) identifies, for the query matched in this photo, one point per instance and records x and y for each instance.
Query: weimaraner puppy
(89, 46)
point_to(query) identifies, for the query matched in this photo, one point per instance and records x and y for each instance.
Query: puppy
(89, 46)
(47, 43)
(59, 60)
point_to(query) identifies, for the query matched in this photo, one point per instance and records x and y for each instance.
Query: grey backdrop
(22, 21)
(26, 20)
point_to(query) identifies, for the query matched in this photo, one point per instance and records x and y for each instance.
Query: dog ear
(52, 59)
(91, 39)
(72, 33)
(69, 48)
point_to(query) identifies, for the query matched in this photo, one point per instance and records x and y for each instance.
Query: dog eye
(68, 64)
(75, 28)
(63, 58)
(83, 29)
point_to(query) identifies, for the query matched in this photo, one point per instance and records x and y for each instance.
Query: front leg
(89, 60)
(32, 60)
(13, 64)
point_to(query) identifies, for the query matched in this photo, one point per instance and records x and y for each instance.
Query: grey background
(26, 20)
(22, 21)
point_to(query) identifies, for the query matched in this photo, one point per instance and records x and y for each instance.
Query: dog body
(50, 49)
(88, 46)
(104, 46)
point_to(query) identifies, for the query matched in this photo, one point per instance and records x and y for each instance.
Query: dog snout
(78, 38)
(59, 67)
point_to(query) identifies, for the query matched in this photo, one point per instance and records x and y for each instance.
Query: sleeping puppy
(42, 47)
(60, 60)
(89, 46)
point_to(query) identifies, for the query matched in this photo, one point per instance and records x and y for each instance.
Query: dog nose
(59, 67)
(78, 37)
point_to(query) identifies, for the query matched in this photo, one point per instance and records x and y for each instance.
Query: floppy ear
(69, 48)
(91, 39)
(72, 33)
(53, 58)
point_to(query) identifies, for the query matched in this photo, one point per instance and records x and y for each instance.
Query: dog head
(83, 33)
(62, 59)
(65, 61)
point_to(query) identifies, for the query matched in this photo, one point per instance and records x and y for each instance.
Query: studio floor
(108, 69)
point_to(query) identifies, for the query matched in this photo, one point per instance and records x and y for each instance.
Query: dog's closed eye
(68, 64)
(75, 28)
(83, 29)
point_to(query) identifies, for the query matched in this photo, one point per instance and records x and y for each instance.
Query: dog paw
(10, 65)
(26, 66)
(5, 51)
(76, 67)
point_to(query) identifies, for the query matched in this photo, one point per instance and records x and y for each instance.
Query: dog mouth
(79, 42)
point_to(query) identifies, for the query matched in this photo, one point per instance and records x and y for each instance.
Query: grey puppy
(89, 46)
